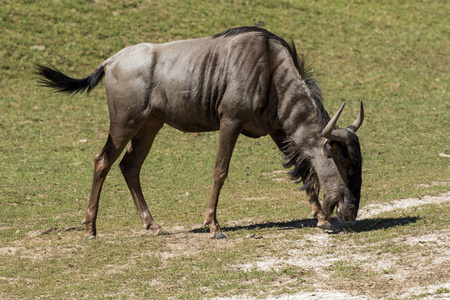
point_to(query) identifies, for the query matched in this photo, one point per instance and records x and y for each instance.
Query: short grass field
(393, 55)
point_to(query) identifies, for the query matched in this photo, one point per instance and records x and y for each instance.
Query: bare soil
(421, 273)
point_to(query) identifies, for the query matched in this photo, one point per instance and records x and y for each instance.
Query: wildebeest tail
(55, 79)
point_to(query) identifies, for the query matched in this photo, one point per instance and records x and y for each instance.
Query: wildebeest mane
(302, 168)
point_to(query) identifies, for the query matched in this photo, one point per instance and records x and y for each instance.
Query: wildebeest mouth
(347, 212)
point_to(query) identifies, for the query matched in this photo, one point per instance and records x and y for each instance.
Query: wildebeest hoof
(219, 236)
(325, 226)
(91, 237)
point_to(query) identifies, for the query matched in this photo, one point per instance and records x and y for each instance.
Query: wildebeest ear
(327, 149)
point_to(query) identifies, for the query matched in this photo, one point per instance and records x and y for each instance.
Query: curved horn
(329, 132)
(357, 123)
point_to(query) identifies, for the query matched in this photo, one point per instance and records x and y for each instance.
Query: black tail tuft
(53, 78)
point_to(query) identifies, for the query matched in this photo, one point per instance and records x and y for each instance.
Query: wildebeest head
(342, 146)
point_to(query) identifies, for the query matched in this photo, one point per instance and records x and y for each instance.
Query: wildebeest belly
(187, 115)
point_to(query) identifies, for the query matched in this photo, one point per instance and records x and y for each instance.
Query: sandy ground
(421, 274)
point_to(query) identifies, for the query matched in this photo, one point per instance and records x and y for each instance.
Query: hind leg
(316, 210)
(131, 167)
(102, 164)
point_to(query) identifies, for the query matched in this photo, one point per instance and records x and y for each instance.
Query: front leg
(316, 210)
(229, 133)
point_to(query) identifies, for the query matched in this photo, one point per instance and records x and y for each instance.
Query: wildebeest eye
(351, 172)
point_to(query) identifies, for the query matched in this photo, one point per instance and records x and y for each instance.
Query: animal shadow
(282, 225)
(364, 225)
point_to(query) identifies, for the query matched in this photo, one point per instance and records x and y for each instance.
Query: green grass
(393, 55)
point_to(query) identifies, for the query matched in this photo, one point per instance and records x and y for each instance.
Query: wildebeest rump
(244, 80)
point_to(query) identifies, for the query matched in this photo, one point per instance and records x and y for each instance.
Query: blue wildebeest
(244, 80)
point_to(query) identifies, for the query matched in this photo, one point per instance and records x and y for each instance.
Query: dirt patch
(372, 210)
(392, 274)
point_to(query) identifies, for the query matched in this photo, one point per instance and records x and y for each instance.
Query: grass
(393, 55)
(347, 270)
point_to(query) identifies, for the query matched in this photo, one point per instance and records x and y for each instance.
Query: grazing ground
(391, 54)
(375, 258)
